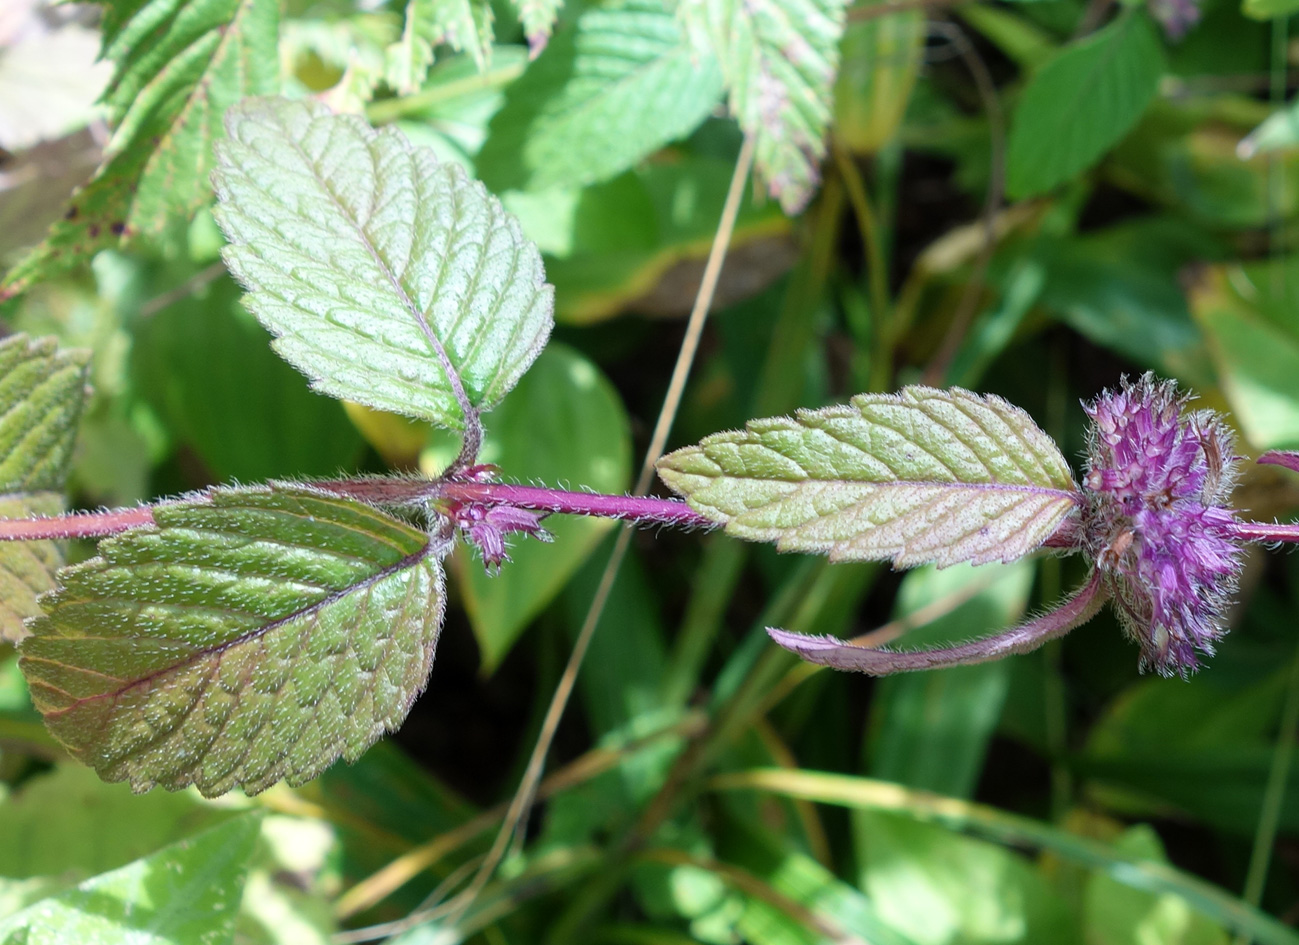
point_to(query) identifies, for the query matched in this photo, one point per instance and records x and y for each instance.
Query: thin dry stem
(522, 799)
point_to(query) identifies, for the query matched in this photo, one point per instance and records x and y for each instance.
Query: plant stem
(75, 525)
(1265, 531)
(643, 510)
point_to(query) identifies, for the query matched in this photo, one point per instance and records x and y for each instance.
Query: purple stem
(643, 510)
(1286, 458)
(1265, 531)
(75, 525)
(839, 654)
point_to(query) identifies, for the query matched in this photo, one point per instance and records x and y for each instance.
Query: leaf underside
(42, 390)
(251, 636)
(924, 475)
(370, 260)
(779, 59)
(179, 66)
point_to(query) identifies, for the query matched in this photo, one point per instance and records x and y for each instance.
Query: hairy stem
(638, 509)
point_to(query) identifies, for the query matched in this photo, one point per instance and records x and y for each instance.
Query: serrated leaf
(923, 475)
(249, 637)
(370, 261)
(179, 66)
(779, 59)
(616, 87)
(42, 390)
(186, 892)
(1081, 103)
(464, 25)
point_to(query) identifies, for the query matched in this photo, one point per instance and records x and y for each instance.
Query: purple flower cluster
(487, 526)
(1157, 523)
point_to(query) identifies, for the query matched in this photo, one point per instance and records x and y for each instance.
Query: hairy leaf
(377, 268)
(186, 892)
(179, 66)
(616, 87)
(922, 475)
(779, 59)
(1081, 103)
(42, 390)
(464, 25)
(249, 637)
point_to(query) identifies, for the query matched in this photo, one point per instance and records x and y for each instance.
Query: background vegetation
(1022, 198)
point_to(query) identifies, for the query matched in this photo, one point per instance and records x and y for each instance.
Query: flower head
(486, 528)
(1156, 522)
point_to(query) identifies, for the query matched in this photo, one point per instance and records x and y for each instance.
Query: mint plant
(254, 634)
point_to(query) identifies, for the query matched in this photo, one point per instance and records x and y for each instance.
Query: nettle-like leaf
(179, 66)
(377, 267)
(779, 59)
(920, 476)
(250, 636)
(42, 390)
(464, 25)
(616, 87)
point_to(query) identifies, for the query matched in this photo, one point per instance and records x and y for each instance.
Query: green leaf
(639, 241)
(565, 424)
(1280, 131)
(68, 823)
(42, 391)
(1256, 356)
(464, 25)
(1268, 9)
(1115, 914)
(187, 892)
(1081, 103)
(616, 87)
(937, 886)
(206, 368)
(935, 727)
(249, 637)
(881, 61)
(374, 265)
(779, 59)
(1013, 830)
(920, 476)
(179, 66)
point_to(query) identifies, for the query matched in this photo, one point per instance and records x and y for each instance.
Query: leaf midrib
(410, 561)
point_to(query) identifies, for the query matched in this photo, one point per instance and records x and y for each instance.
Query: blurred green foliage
(1022, 198)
